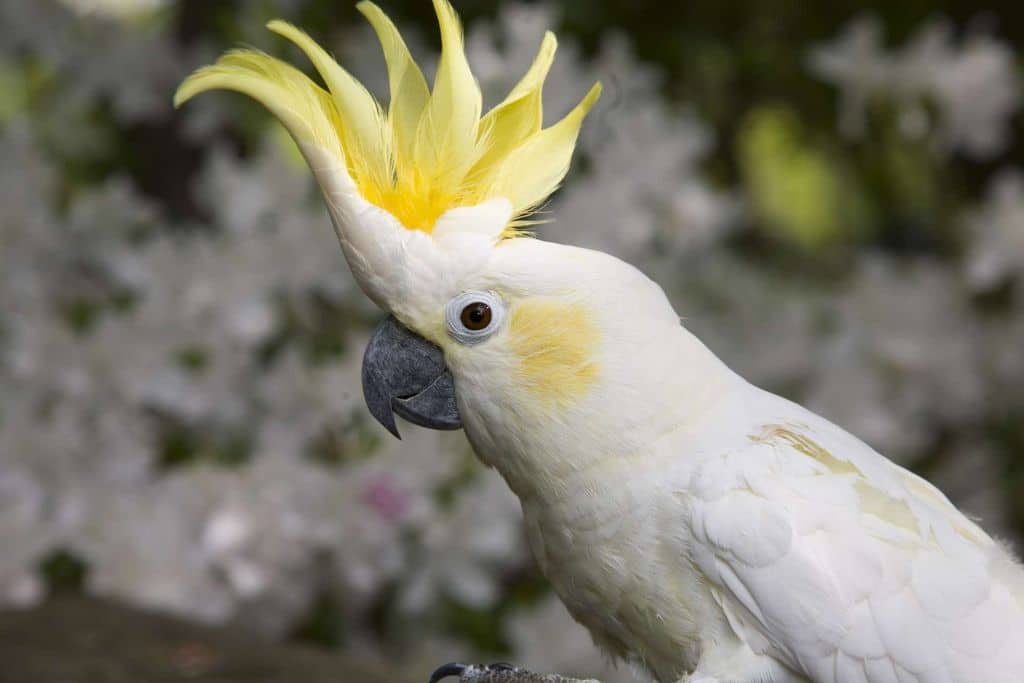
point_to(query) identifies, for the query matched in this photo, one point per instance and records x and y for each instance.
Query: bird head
(489, 328)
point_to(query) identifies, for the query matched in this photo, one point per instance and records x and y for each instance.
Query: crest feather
(409, 92)
(362, 132)
(304, 108)
(517, 117)
(430, 151)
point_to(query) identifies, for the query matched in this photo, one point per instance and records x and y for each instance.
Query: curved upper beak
(404, 373)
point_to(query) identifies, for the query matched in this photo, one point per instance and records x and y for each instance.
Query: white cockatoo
(695, 524)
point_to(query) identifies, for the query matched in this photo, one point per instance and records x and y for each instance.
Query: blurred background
(831, 193)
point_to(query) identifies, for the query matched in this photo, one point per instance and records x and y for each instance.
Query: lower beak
(404, 373)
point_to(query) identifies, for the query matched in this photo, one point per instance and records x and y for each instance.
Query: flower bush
(181, 420)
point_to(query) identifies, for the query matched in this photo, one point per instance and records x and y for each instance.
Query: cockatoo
(699, 526)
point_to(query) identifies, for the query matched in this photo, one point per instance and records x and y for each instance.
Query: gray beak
(404, 373)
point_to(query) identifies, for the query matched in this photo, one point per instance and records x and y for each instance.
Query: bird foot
(500, 672)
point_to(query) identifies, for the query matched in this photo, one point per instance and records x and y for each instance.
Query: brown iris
(476, 316)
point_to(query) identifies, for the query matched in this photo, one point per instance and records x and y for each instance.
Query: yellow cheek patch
(556, 345)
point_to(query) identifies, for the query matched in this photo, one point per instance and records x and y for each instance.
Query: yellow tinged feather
(446, 138)
(873, 500)
(556, 345)
(926, 491)
(534, 77)
(409, 92)
(305, 109)
(517, 117)
(531, 172)
(363, 133)
(431, 151)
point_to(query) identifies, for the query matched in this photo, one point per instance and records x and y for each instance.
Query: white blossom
(997, 231)
(974, 84)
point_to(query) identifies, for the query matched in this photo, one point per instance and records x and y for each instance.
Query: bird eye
(476, 316)
(472, 317)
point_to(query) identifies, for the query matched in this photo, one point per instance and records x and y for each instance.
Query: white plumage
(696, 523)
(845, 567)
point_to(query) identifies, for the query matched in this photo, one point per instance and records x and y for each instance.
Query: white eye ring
(453, 316)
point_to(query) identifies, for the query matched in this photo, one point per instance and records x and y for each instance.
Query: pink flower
(387, 498)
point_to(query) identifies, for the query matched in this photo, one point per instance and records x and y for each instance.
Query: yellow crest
(431, 150)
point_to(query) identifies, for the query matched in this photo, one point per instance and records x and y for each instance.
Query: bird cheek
(555, 345)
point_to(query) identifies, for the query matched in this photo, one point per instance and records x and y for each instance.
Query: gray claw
(449, 669)
(499, 672)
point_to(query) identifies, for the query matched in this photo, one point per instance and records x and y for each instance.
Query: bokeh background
(831, 193)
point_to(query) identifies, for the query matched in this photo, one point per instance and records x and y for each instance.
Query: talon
(449, 669)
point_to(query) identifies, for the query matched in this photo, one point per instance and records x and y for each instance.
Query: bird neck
(645, 406)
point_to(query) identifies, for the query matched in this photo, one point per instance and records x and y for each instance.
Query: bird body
(770, 561)
(695, 524)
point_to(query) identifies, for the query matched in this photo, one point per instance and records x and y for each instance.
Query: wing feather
(851, 569)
